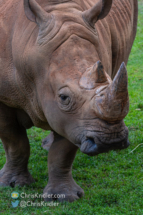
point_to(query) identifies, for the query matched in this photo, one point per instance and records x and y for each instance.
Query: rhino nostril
(90, 140)
(89, 146)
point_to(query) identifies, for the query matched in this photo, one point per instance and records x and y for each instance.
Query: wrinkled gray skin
(61, 69)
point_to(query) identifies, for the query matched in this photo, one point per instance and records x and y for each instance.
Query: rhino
(63, 69)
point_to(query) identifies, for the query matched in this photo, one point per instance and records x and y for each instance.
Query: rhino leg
(60, 159)
(47, 142)
(17, 149)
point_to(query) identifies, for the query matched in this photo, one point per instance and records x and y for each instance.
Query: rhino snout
(89, 147)
(94, 145)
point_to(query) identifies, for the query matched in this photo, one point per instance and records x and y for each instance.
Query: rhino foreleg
(60, 159)
(17, 149)
(47, 142)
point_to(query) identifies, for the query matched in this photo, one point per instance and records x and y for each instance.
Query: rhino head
(77, 95)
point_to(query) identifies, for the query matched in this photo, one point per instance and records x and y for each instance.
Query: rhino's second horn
(92, 76)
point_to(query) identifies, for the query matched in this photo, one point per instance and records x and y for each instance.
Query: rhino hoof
(62, 192)
(14, 179)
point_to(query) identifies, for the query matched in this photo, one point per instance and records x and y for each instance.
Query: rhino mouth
(95, 144)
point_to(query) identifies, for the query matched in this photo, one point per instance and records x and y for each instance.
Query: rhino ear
(99, 11)
(35, 12)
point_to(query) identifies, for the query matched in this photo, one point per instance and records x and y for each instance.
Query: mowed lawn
(113, 182)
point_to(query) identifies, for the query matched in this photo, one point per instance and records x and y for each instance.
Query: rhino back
(122, 21)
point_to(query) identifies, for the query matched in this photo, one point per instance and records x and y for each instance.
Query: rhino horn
(98, 11)
(92, 76)
(114, 105)
(35, 12)
(119, 86)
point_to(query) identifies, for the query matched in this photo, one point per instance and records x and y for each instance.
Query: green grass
(113, 182)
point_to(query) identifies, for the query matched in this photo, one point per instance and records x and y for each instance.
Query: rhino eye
(64, 99)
